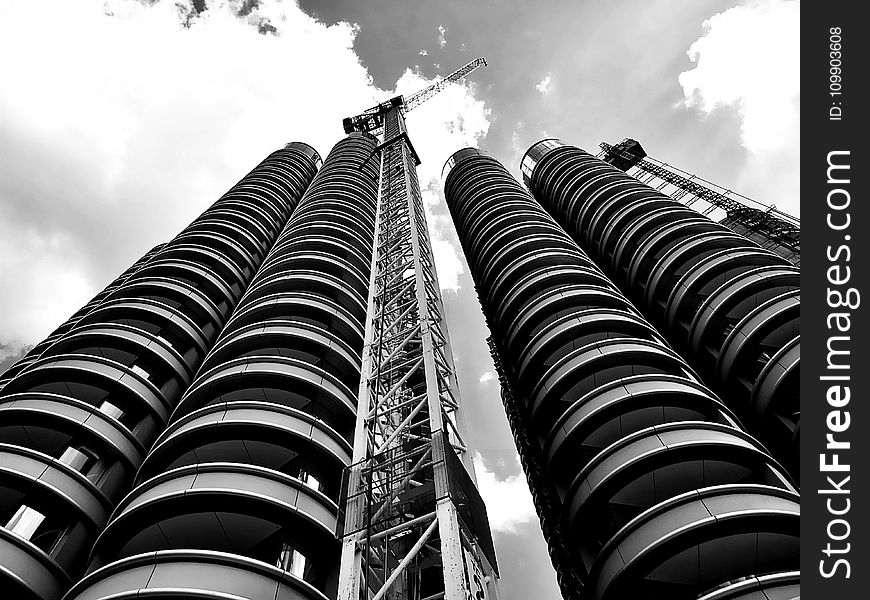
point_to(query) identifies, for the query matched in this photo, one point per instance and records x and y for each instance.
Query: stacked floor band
(76, 422)
(730, 307)
(237, 498)
(35, 352)
(663, 495)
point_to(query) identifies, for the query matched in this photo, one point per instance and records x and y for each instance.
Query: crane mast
(415, 527)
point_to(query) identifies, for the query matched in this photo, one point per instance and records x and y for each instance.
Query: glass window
(140, 371)
(25, 521)
(128, 419)
(107, 408)
(77, 458)
(291, 560)
(312, 482)
(308, 478)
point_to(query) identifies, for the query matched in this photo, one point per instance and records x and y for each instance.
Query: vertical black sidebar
(835, 443)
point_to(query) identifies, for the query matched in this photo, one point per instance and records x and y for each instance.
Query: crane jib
(372, 120)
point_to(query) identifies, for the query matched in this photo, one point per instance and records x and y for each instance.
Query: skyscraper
(659, 491)
(77, 421)
(728, 306)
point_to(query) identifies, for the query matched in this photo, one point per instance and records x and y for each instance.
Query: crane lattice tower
(415, 527)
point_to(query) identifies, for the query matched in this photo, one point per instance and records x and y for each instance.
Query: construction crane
(764, 224)
(415, 526)
(372, 120)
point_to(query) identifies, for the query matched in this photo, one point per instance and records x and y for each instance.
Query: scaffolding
(764, 224)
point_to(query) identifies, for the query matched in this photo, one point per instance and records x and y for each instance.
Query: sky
(120, 121)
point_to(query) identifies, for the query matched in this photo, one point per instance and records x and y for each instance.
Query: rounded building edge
(456, 158)
(308, 150)
(535, 154)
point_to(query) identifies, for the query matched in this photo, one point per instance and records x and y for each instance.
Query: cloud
(423, 53)
(748, 60)
(508, 501)
(10, 353)
(487, 377)
(442, 39)
(450, 120)
(546, 85)
(107, 153)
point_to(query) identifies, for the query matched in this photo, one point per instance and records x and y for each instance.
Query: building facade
(730, 307)
(240, 492)
(78, 419)
(657, 489)
(764, 224)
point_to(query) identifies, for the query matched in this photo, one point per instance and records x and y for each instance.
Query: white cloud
(508, 501)
(451, 120)
(748, 59)
(45, 282)
(487, 377)
(442, 33)
(108, 152)
(546, 85)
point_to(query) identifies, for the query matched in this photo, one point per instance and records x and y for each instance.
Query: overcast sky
(120, 121)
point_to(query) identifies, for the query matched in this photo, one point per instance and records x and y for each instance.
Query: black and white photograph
(431, 300)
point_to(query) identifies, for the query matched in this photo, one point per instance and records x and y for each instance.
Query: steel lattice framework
(771, 228)
(415, 527)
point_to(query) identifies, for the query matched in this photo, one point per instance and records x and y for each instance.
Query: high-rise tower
(76, 423)
(653, 489)
(415, 527)
(239, 495)
(728, 306)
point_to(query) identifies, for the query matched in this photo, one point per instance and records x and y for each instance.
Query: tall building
(728, 306)
(653, 488)
(764, 224)
(239, 494)
(77, 421)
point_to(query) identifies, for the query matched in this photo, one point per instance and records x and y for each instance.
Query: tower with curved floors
(76, 423)
(730, 307)
(238, 496)
(658, 490)
(37, 350)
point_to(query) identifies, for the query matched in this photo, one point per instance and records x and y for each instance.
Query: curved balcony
(182, 573)
(225, 507)
(678, 546)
